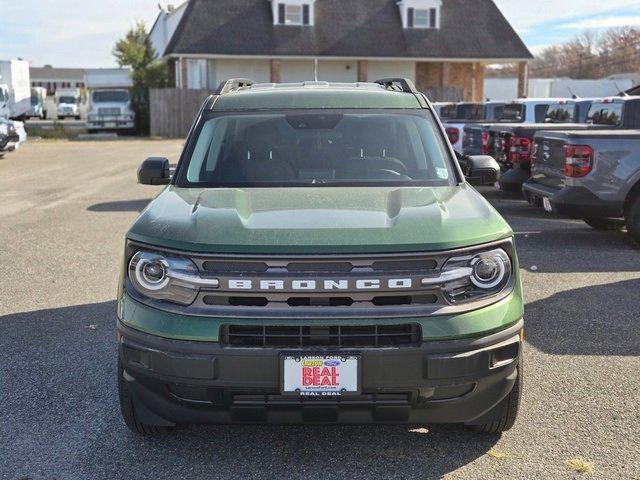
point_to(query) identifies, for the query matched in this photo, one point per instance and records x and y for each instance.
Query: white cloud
(524, 15)
(82, 34)
(68, 33)
(604, 22)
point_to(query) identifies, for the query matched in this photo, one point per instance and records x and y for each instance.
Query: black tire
(632, 218)
(509, 406)
(77, 117)
(605, 224)
(127, 408)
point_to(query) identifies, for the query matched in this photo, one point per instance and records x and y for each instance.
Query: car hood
(318, 220)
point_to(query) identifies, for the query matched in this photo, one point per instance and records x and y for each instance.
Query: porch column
(477, 85)
(274, 66)
(183, 73)
(445, 74)
(523, 79)
(363, 71)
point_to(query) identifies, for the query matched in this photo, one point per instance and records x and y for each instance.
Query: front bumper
(182, 382)
(576, 202)
(110, 123)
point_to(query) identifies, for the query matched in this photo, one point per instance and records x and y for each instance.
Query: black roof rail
(398, 84)
(233, 84)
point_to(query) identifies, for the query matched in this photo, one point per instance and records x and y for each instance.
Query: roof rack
(233, 84)
(398, 84)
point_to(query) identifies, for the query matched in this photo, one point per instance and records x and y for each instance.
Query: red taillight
(453, 134)
(485, 143)
(578, 160)
(519, 149)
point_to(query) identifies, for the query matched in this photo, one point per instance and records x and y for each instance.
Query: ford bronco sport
(318, 256)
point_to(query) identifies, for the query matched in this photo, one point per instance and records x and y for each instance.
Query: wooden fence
(173, 110)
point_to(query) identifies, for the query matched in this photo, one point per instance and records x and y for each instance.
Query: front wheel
(507, 408)
(127, 408)
(604, 224)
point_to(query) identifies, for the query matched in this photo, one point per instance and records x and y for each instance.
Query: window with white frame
(422, 18)
(294, 12)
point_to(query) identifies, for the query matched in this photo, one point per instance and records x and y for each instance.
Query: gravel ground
(65, 207)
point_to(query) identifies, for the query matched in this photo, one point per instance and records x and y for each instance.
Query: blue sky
(68, 33)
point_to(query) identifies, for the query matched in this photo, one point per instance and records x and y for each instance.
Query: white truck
(109, 100)
(15, 89)
(38, 103)
(68, 103)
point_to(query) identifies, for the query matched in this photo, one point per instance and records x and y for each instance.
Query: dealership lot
(65, 207)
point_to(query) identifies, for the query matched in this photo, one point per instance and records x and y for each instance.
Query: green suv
(318, 256)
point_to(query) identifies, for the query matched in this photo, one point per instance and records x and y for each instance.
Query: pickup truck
(511, 143)
(477, 138)
(312, 260)
(589, 175)
(462, 114)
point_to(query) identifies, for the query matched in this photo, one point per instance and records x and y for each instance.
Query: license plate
(320, 375)
(496, 185)
(110, 124)
(546, 204)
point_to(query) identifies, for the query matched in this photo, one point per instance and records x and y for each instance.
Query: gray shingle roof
(473, 29)
(55, 73)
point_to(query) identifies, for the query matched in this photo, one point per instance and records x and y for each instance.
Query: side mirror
(480, 169)
(154, 171)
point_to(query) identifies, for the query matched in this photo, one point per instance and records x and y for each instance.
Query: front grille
(321, 336)
(109, 111)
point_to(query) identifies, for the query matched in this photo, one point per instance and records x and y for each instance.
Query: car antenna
(573, 95)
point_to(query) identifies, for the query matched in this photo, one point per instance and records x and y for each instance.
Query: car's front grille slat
(326, 336)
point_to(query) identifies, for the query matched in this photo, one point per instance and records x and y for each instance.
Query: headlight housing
(482, 274)
(166, 277)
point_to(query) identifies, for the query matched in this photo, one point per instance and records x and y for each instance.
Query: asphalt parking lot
(64, 209)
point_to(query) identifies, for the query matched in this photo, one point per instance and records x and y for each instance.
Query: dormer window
(422, 18)
(420, 13)
(293, 12)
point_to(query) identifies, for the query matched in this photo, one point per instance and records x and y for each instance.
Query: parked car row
(573, 157)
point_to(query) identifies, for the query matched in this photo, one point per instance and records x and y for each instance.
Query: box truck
(15, 89)
(109, 100)
(38, 103)
(68, 103)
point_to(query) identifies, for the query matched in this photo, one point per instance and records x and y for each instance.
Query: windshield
(67, 100)
(118, 96)
(344, 148)
(514, 112)
(605, 114)
(448, 111)
(35, 100)
(560, 113)
(3, 98)
(470, 111)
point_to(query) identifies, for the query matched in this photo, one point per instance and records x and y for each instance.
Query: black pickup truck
(514, 144)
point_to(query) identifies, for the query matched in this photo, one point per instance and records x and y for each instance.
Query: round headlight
(151, 273)
(488, 269)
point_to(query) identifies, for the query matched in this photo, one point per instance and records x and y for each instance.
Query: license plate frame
(320, 356)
